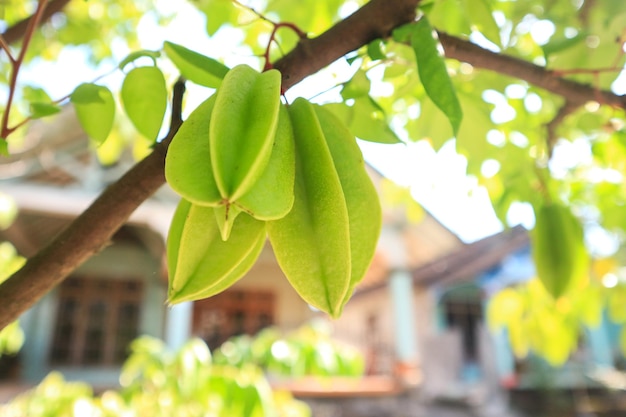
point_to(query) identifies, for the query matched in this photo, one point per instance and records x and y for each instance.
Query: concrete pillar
(504, 358)
(38, 326)
(392, 243)
(152, 309)
(401, 285)
(178, 324)
(600, 345)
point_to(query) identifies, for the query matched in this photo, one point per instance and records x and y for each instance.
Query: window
(463, 311)
(96, 320)
(232, 313)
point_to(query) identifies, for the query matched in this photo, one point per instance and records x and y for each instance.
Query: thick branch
(374, 20)
(18, 30)
(574, 93)
(94, 228)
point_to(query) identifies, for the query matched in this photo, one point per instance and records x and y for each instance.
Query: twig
(574, 92)
(585, 11)
(5, 130)
(253, 10)
(5, 47)
(551, 137)
(58, 101)
(275, 27)
(375, 19)
(19, 30)
(266, 55)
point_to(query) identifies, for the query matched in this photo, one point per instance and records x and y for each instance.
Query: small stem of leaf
(5, 47)
(292, 26)
(16, 64)
(276, 25)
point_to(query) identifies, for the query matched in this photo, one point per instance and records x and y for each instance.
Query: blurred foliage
(307, 351)
(12, 336)
(537, 323)
(158, 382)
(392, 195)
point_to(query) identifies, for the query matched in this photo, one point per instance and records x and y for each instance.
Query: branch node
(552, 126)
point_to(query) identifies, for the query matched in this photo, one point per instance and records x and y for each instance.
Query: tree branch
(93, 229)
(18, 30)
(374, 20)
(576, 94)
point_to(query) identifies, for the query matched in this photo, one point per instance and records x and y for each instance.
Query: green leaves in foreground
(144, 96)
(40, 103)
(95, 109)
(433, 72)
(559, 251)
(537, 323)
(193, 384)
(197, 68)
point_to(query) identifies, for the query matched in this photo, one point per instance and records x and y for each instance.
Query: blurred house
(423, 319)
(418, 314)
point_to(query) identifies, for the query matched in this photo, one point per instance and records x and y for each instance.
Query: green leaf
(111, 150)
(375, 50)
(197, 68)
(217, 13)
(558, 250)
(433, 73)
(35, 94)
(402, 33)
(558, 45)
(8, 211)
(615, 304)
(589, 306)
(4, 147)
(505, 308)
(358, 86)
(95, 109)
(40, 103)
(365, 120)
(39, 110)
(558, 337)
(481, 17)
(139, 54)
(144, 96)
(87, 93)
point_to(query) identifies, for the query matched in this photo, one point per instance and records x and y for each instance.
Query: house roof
(465, 262)
(472, 259)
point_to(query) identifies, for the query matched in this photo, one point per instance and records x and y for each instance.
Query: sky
(437, 180)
